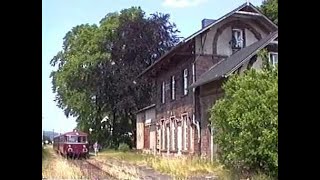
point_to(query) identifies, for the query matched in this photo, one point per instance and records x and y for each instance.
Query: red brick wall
(203, 63)
(183, 104)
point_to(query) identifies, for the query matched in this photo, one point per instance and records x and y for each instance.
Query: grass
(180, 168)
(177, 167)
(186, 167)
(261, 176)
(55, 167)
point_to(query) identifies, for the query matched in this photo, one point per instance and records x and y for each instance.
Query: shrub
(246, 121)
(123, 147)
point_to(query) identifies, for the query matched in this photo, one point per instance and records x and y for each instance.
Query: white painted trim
(274, 42)
(184, 131)
(163, 92)
(248, 13)
(173, 88)
(185, 81)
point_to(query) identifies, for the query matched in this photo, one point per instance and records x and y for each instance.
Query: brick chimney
(206, 22)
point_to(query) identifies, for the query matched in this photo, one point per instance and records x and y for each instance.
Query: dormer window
(237, 41)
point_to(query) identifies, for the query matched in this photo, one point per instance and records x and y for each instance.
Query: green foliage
(270, 9)
(246, 121)
(123, 147)
(96, 68)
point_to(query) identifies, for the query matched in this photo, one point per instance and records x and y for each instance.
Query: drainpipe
(211, 143)
(196, 123)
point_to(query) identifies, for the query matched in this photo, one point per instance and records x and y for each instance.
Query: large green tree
(96, 70)
(270, 9)
(246, 120)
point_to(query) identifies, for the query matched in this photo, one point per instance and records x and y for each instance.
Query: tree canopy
(270, 9)
(96, 69)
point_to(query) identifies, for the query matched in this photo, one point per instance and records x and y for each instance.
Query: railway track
(91, 171)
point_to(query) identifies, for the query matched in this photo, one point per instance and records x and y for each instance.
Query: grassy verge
(55, 167)
(177, 167)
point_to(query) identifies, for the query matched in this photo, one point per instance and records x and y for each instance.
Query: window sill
(184, 95)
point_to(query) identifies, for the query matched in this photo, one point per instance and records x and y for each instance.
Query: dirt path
(91, 170)
(125, 170)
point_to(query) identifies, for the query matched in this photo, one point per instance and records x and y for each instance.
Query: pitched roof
(73, 133)
(233, 62)
(213, 23)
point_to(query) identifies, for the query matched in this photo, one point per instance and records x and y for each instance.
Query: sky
(59, 16)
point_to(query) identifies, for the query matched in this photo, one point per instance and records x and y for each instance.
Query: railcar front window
(84, 139)
(72, 139)
(77, 139)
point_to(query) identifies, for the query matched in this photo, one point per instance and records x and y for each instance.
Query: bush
(123, 147)
(246, 121)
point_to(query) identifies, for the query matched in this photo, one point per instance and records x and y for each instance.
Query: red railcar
(72, 144)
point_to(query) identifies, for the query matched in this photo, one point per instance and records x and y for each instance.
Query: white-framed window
(237, 38)
(185, 131)
(173, 133)
(191, 146)
(179, 136)
(163, 139)
(173, 88)
(163, 92)
(193, 73)
(273, 58)
(185, 81)
(168, 136)
(158, 137)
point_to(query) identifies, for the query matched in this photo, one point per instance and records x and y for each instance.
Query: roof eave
(145, 108)
(193, 36)
(206, 29)
(195, 85)
(161, 58)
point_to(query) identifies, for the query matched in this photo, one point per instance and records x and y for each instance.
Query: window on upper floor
(237, 39)
(185, 81)
(273, 58)
(163, 91)
(173, 88)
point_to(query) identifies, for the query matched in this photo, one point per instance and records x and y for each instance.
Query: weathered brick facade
(174, 110)
(182, 124)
